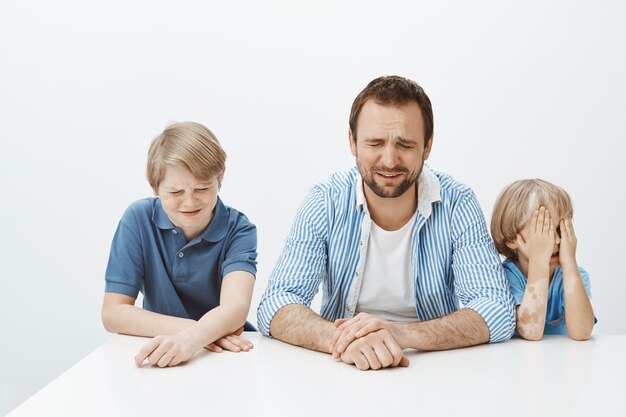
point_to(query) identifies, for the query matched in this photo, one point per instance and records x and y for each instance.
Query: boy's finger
(214, 348)
(570, 227)
(535, 219)
(146, 350)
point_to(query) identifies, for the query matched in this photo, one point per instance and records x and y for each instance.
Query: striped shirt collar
(428, 191)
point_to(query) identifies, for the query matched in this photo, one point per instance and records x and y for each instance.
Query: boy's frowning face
(187, 201)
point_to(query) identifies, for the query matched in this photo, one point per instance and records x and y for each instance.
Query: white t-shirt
(388, 290)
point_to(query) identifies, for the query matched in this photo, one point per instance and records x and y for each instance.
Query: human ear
(512, 244)
(220, 177)
(352, 140)
(428, 147)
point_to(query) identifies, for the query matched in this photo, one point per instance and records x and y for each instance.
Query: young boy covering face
(532, 227)
(192, 257)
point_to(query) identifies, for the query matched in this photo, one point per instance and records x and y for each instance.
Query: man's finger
(371, 327)
(339, 322)
(372, 359)
(383, 354)
(404, 362)
(395, 350)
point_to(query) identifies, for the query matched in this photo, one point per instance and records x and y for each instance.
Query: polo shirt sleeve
(478, 275)
(241, 253)
(125, 270)
(517, 281)
(302, 263)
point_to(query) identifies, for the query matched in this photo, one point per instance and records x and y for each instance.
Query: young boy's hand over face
(539, 242)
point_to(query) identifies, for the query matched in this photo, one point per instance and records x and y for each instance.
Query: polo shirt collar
(428, 191)
(215, 231)
(159, 217)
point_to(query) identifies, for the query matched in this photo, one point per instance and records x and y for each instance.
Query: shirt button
(180, 254)
(175, 231)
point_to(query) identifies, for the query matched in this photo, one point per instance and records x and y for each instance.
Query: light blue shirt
(555, 312)
(452, 254)
(178, 278)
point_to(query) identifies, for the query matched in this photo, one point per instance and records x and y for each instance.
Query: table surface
(554, 377)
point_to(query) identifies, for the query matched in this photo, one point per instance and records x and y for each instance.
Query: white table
(554, 377)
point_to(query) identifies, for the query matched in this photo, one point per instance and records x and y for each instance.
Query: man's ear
(352, 140)
(428, 147)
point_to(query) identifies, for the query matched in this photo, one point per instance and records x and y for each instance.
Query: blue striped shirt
(452, 255)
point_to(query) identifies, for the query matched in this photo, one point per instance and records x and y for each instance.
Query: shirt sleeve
(241, 253)
(302, 263)
(516, 280)
(478, 274)
(125, 269)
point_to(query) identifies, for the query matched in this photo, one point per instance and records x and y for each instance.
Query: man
(395, 245)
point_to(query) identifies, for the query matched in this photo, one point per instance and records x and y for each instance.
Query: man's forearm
(298, 325)
(457, 330)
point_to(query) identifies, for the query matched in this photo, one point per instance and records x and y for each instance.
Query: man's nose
(389, 156)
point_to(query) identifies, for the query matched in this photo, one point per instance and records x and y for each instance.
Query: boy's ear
(512, 244)
(220, 178)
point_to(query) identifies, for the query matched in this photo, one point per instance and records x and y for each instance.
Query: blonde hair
(190, 144)
(515, 205)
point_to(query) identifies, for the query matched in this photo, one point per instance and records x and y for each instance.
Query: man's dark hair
(394, 90)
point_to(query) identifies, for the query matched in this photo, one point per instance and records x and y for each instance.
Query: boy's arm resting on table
(223, 320)
(120, 315)
(579, 317)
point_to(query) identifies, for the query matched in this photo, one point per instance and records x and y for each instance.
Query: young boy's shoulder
(140, 211)
(232, 221)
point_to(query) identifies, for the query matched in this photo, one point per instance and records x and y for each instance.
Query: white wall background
(519, 89)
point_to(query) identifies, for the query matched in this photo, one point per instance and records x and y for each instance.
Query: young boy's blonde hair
(189, 144)
(515, 205)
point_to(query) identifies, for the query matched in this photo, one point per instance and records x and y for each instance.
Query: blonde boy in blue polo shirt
(192, 257)
(532, 228)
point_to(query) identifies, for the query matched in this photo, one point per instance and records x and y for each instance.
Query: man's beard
(384, 192)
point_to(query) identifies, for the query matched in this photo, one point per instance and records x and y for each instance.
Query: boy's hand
(540, 242)
(567, 248)
(233, 342)
(169, 350)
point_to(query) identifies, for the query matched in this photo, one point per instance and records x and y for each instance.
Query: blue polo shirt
(178, 278)
(555, 311)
